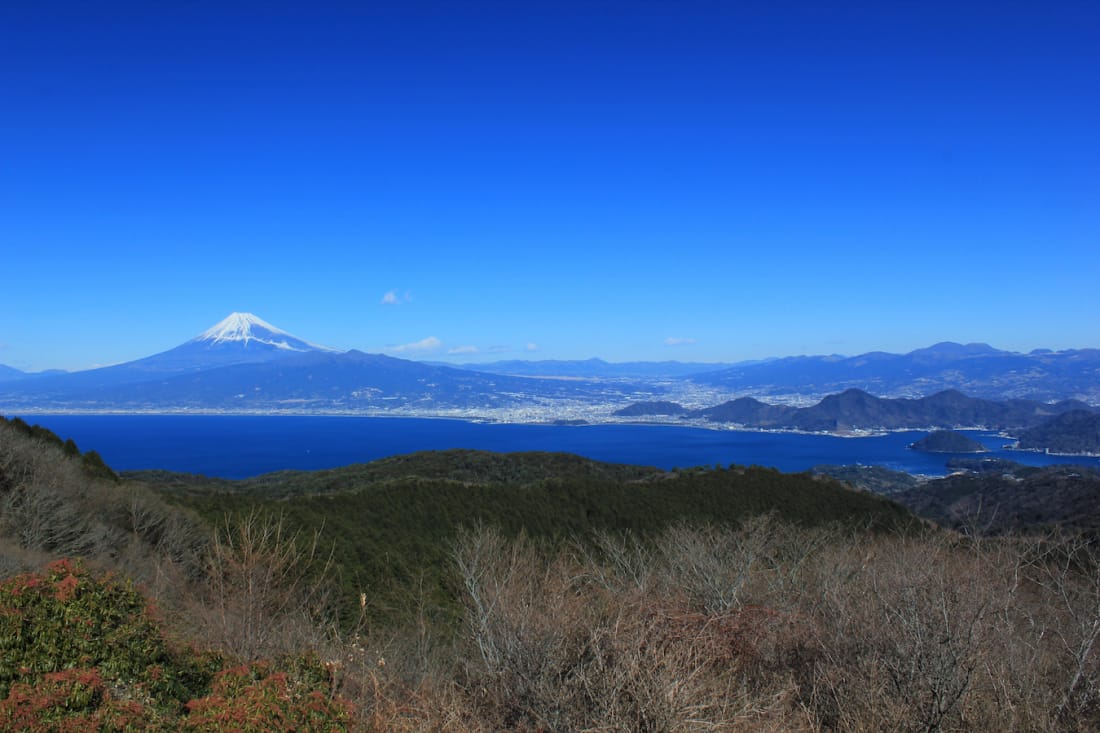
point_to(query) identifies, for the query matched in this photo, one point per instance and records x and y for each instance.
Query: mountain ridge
(977, 369)
(240, 338)
(1073, 431)
(855, 409)
(243, 363)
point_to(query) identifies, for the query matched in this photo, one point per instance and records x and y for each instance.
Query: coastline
(234, 446)
(548, 421)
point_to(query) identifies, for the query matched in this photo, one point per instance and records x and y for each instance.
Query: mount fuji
(244, 364)
(239, 338)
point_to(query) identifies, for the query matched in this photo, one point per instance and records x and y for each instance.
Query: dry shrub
(52, 506)
(763, 561)
(550, 649)
(713, 565)
(1061, 576)
(769, 625)
(946, 633)
(901, 641)
(765, 626)
(266, 591)
(43, 498)
(15, 559)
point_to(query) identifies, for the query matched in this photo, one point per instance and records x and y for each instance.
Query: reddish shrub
(258, 698)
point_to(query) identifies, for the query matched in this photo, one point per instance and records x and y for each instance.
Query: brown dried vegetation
(813, 630)
(751, 627)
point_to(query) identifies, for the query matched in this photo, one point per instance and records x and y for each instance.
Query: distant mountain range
(598, 368)
(855, 409)
(8, 373)
(244, 364)
(976, 369)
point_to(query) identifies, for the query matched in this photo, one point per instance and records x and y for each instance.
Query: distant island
(947, 441)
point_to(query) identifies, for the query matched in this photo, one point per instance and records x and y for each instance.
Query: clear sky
(702, 181)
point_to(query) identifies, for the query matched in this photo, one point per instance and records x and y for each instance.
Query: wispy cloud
(422, 346)
(392, 298)
(531, 346)
(679, 341)
(463, 350)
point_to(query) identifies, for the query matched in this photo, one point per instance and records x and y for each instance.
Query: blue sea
(236, 446)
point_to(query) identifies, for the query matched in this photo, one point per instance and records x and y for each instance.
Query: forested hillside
(1077, 431)
(392, 522)
(1014, 498)
(467, 591)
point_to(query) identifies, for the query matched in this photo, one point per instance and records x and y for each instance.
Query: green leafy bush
(75, 700)
(80, 652)
(67, 619)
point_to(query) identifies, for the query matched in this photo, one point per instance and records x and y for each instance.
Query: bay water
(238, 446)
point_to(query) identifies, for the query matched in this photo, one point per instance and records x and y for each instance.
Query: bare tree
(714, 564)
(267, 590)
(1067, 567)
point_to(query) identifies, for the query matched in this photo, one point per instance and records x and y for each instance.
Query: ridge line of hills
(854, 410)
(246, 364)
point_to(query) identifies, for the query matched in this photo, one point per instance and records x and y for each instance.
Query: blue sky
(702, 181)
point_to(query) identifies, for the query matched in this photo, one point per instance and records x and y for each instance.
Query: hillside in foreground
(560, 595)
(392, 521)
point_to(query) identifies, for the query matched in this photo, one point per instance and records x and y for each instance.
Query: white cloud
(422, 346)
(531, 346)
(392, 298)
(463, 350)
(678, 341)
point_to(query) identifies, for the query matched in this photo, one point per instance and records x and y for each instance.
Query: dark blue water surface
(234, 446)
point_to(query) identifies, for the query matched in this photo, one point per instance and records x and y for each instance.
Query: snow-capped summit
(246, 328)
(237, 341)
(240, 338)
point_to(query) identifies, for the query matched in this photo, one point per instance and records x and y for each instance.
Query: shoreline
(552, 422)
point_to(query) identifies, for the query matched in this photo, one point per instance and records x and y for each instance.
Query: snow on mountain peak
(245, 327)
(237, 327)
